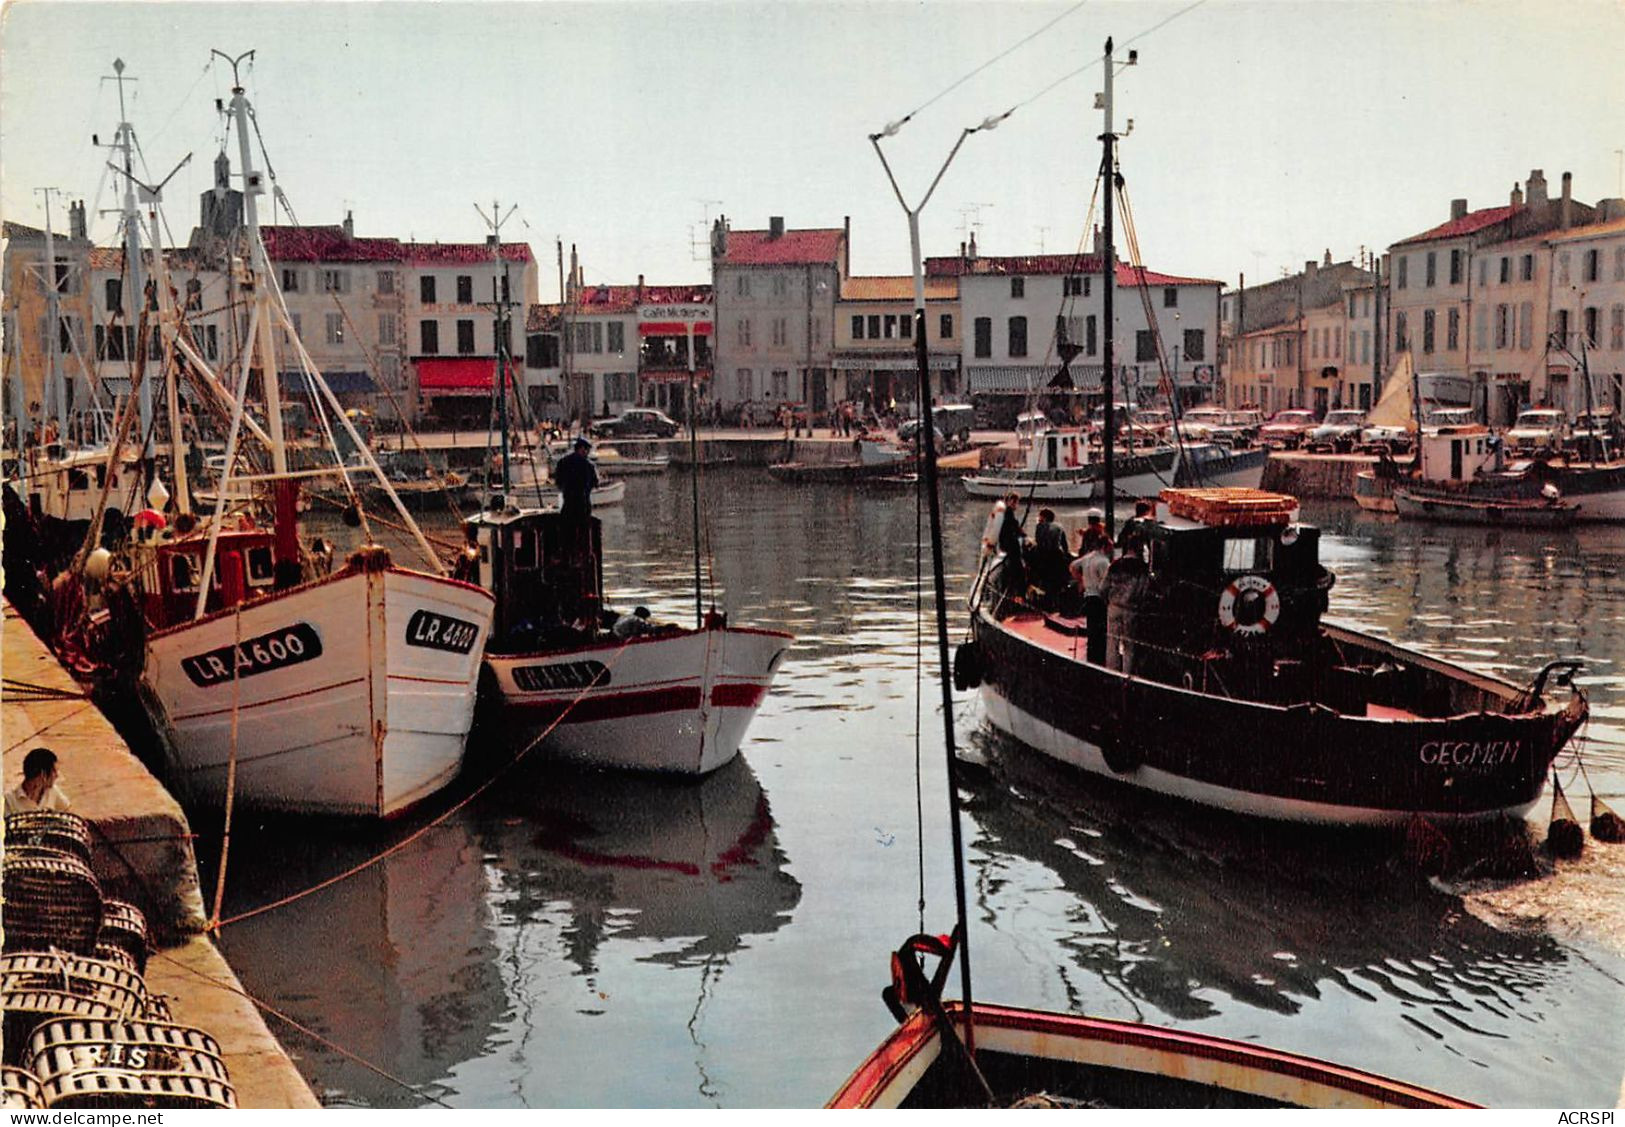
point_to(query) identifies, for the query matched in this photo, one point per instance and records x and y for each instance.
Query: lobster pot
(51, 900)
(48, 831)
(19, 1090)
(157, 1008)
(26, 1010)
(124, 930)
(89, 1064)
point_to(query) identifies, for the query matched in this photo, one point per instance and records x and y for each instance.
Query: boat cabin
(244, 570)
(546, 571)
(1458, 453)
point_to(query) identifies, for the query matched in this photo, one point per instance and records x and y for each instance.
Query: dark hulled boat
(1222, 685)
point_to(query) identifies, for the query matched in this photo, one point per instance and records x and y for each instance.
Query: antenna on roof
(699, 241)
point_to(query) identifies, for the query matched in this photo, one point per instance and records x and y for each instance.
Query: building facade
(27, 328)
(875, 362)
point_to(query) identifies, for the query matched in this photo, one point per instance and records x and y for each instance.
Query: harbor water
(575, 939)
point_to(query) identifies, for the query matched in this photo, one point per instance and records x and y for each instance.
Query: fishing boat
(1511, 512)
(597, 687)
(1216, 464)
(972, 1053)
(614, 461)
(874, 458)
(271, 677)
(1063, 465)
(1461, 476)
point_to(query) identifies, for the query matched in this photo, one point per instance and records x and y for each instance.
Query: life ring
(1249, 605)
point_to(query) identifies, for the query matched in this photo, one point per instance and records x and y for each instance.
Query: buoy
(1564, 838)
(352, 516)
(967, 666)
(150, 518)
(157, 495)
(98, 564)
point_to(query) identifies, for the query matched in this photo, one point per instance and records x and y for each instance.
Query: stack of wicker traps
(80, 1028)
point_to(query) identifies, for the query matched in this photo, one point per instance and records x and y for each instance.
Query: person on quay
(576, 478)
(1090, 569)
(38, 790)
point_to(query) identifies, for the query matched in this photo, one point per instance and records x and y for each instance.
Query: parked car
(955, 420)
(1338, 431)
(637, 421)
(908, 429)
(1541, 428)
(1217, 424)
(1287, 428)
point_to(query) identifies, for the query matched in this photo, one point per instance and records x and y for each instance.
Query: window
(945, 326)
(1352, 299)
(890, 326)
(290, 280)
(1018, 336)
(1616, 328)
(465, 337)
(781, 286)
(1072, 285)
(818, 330)
(1481, 331)
(744, 330)
(1560, 328)
(1432, 268)
(1526, 268)
(542, 350)
(905, 326)
(1591, 265)
(874, 326)
(744, 385)
(1018, 287)
(983, 329)
(1401, 280)
(1619, 264)
(298, 325)
(210, 341)
(465, 289)
(1452, 339)
(1402, 337)
(1427, 330)
(386, 328)
(857, 326)
(617, 336)
(1196, 344)
(1170, 297)
(429, 337)
(1483, 272)
(182, 573)
(597, 336)
(1365, 346)
(194, 294)
(1457, 261)
(1145, 346)
(114, 293)
(742, 289)
(335, 281)
(1091, 335)
(781, 384)
(426, 289)
(335, 328)
(1503, 326)
(781, 331)
(386, 281)
(1506, 269)
(1590, 318)
(497, 343)
(1354, 341)
(1252, 554)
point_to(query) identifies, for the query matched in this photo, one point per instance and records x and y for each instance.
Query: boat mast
(1108, 285)
(501, 299)
(56, 392)
(135, 301)
(254, 187)
(694, 469)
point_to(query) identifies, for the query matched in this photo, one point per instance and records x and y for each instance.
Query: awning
(342, 383)
(1028, 377)
(460, 376)
(673, 375)
(896, 361)
(672, 328)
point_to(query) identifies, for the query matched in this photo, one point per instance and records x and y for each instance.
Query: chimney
(775, 227)
(575, 276)
(1535, 191)
(640, 289)
(1100, 244)
(1328, 259)
(349, 226)
(1516, 199)
(1458, 209)
(1310, 269)
(973, 246)
(1566, 214)
(961, 252)
(76, 220)
(846, 232)
(719, 237)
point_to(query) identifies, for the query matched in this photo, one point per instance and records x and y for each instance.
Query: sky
(1266, 132)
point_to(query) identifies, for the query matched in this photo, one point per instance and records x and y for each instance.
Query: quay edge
(142, 853)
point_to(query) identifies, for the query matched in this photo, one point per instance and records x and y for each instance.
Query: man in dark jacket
(576, 477)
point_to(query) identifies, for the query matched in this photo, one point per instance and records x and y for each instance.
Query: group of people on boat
(1100, 582)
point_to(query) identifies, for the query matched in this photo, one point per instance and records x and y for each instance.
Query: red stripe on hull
(593, 709)
(742, 695)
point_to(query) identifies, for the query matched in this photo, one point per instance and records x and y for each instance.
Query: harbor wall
(1318, 476)
(142, 853)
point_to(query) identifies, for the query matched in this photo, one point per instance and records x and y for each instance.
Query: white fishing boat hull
(1068, 488)
(1213, 466)
(675, 703)
(353, 695)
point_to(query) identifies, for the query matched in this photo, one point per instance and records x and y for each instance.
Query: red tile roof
(1466, 225)
(1039, 264)
(326, 244)
(759, 248)
(462, 254)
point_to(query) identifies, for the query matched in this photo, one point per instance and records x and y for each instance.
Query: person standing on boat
(1050, 555)
(1124, 587)
(38, 790)
(1012, 542)
(1135, 538)
(576, 478)
(1090, 569)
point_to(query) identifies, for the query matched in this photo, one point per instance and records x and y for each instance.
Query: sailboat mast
(694, 471)
(501, 299)
(1108, 284)
(253, 188)
(136, 300)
